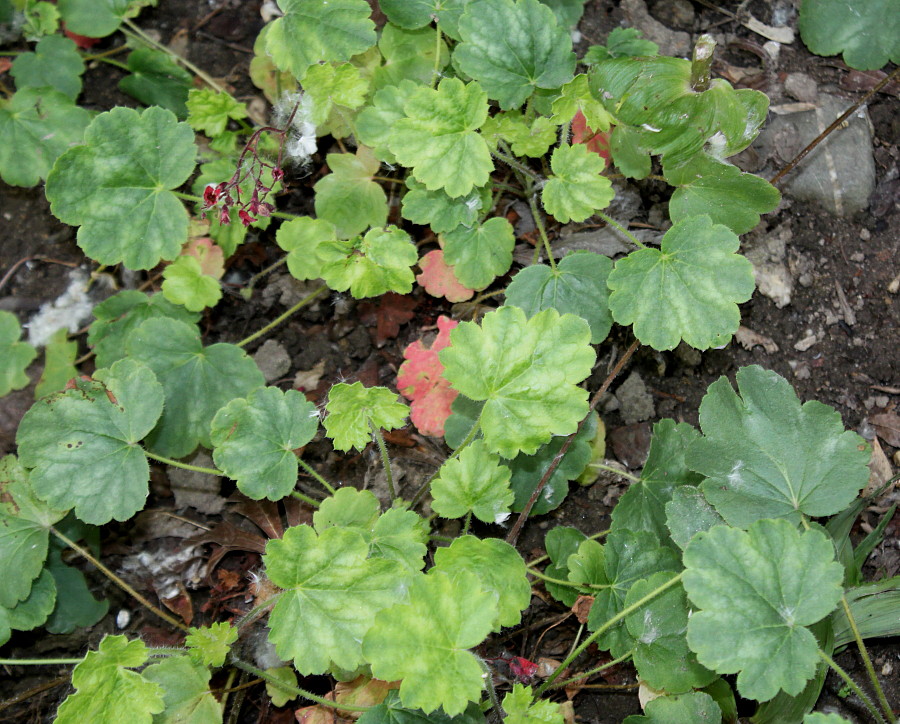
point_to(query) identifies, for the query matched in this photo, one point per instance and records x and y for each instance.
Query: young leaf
(411, 14)
(480, 254)
(83, 443)
(439, 211)
(210, 645)
(757, 591)
(576, 96)
(375, 122)
(620, 43)
(348, 197)
(409, 55)
(437, 278)
(766, 456)
(520, 709)
(420, 379)
(15, 355)
(186, 694)
(330, 85)
(576, 286)
(535, 52)
(36, 126)
(353, 410)
(32, 611)
(694, 708)
(254, 440)
(55, 63)
(560, 543)
(661, 653)
(302, 239)
(499, 568)
(371, 265)
(526, 371)
(577, 187)
(185, 283)
(333, 592)
(209, 111)
(438, 137)
(723, 192)
(116, 187)
(59, 367)
(474, 482)
(94, 18)
(867, 35)
(313, 31)
(424, 642)
(279, 696)
(526, 138)
(392, 711)
(157, 80)
(687, 289)
(107, 692)
(197, 381)
(116, 317)
(689, 512)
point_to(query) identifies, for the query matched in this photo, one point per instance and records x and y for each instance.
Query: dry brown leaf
(879, 469)
(887, 425)
(582, 607)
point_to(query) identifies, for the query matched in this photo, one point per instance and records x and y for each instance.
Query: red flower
(245, 218)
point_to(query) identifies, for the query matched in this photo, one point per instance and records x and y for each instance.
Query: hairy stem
(183, 466)
(611, 469)
(592, 672)
(867, 661)
(305, 498)
(385, 459)
(539, 223)
(309, 469)
(854, 687)
(308, 299)
(616, 225)
(135, 31)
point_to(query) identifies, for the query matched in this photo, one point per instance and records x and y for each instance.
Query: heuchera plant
(729, 554)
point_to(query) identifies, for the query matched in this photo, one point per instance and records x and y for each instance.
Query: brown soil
(855, 369)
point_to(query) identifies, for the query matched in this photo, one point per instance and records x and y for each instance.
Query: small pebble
(123, 618)
(808, 341)
(882, 400)
(865, 234)
(858, 257)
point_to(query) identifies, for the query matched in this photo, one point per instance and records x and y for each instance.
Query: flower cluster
(227, 194)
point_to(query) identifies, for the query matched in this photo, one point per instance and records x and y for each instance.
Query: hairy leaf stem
(854, 687)
(305, 498)
(867, 661)
(611, 469)
(591, 672)
(84, 553)
(540, 559)
(385, 459)
(539, 223)
(436, 72)
(465, 443)
(309, 298)
(507, 158)
(309, 469)
(616, 225)
(492, 691)
(183, 466)
(560, 582)
(40, 662)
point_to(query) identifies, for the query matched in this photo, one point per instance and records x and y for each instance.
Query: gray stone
(670, 42)
(635, 403)
(676, 13)
(273, 360)
(196, 490)
(801, 87)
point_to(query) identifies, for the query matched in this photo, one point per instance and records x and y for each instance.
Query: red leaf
(421, 380)
(5, 65)
(82, 41)
(598, 142)
(439, 280)
(391, 311)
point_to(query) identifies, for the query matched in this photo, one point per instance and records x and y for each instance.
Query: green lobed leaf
(526, 371)
(577, 187)
(32, 611)
(425, 642)
(526, 137)
(117, 187)
(689, 512)
(520, 709)
(353, 411)
(116, 317)
(766, 456)
(157, 80)
(577, 286)
(186, 692)
(439, 211)
(59, 364)
(576, 96)
(632, 159)
(480, 254)
(587, 565)
(313, 31)
(209, 111)
(694, 708)
(197, 381)
(437, 137)
(286, 675)
(82, 444)
(499, 568)
(560, 543)
(567, 12)
(302, 239)
(687, 289)
(15, 355)
(371, 265)
(757, 591)
(620, 43)
(474, 482)
(210, 645)
(185, 283)
(535, 53)
(348, 197)
(94, 18)
(55, 63)
(254, 440)
(409, 55)
(821, 718)
(330, 85)
(36, 126)
(76, 606)
(866, 34)
(375, 122)
(107, 691)
(392, 711)
(332, 595)
(40, 18)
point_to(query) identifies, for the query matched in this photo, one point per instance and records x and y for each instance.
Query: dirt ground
(853, 367)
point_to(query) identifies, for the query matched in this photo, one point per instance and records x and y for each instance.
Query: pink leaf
(421, 380)
(209, 254)
(596, 142)
(439, 280)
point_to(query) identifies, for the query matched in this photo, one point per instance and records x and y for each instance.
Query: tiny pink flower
(224, 217)
(245, 218)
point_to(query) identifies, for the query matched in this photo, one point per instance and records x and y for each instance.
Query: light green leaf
(577, 187)
(32, 611)
(157, 80)
(375, 122)
(425, 642)
(36, 126)
(587, 565)
(94, 18)
(197, 381)
(560, 543)
(473, 482)
(286, 675)
(186, 692)
(254, 440)
(83, 443)
(348, 508)
(411, 14)
(107, 692)
(437, 137)
(867, 34)
(116, 186)
(577, 285)
(333, 592)
(757, 591)
(526, 138)
(820, 718)
(55, 63)
(439, 211)
(687, 289)
(520, 709)
(661, 653)
(210, 645)
(526, 371)
(353, 410)
(302, 239)
(116, 317)
(210, 111)
(185, 283)
(689, 512)
(15, 355)
(535, 52)
(694, 708)
(766, 456)
(499, 568)
(724, 193)
(329, 86)
(40, 18)
(313, 31)
(348, 197)
(371, 265)
(59, 367)
(620, 43)
(480, 254)
(576, 96)
(409, 55)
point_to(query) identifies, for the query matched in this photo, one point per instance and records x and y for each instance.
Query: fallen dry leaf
(887, 425)
(387, 315)
(879, 469)
(748, 339)
(582, 607)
